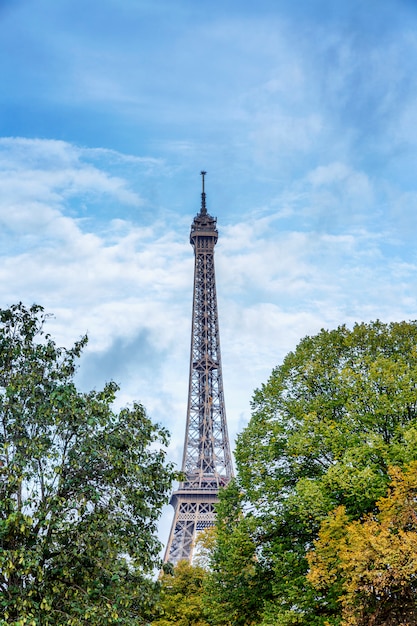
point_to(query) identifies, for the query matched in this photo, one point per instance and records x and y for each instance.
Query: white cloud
(121, 280)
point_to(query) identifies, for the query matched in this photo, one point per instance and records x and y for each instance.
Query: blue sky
(304, 115)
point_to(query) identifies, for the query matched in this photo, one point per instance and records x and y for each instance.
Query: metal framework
(207, 461)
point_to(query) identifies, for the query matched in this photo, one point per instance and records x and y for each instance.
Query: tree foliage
(235, 587)
(81, 488)
(325, 428)
(181, 597)
(372, 562)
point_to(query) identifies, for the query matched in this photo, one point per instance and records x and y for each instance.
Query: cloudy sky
(303, 113)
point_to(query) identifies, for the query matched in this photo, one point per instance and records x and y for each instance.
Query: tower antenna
(203, 195)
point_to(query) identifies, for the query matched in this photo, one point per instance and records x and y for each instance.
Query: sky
(304, 115)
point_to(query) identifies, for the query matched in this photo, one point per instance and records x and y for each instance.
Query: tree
(235, 588)
(204, 546)
(332, 418)
(181, 597)
(372, 563)
(81, 488)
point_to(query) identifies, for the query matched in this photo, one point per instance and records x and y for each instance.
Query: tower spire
(207, 461)
(203, 195)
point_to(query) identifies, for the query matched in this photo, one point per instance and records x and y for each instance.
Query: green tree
(235, 587)
(181, 597)
(81, 488)
(371, 564)
(324, 430)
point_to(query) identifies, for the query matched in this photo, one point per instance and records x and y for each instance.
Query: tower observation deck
(207, 462)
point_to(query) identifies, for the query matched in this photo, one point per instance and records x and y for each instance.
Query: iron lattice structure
(207, 461)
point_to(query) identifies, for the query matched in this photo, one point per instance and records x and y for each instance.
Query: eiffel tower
(207, 462)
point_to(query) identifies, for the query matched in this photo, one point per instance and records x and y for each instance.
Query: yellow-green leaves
(181, 597)
(372, 562)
